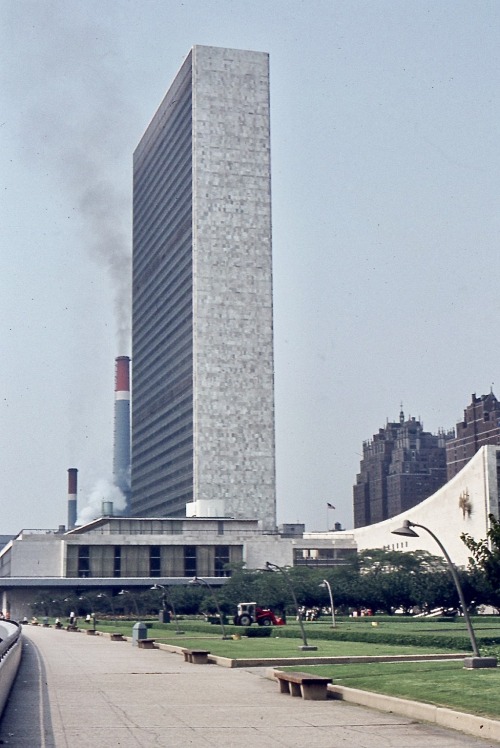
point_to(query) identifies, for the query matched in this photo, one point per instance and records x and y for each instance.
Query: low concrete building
(113, 552)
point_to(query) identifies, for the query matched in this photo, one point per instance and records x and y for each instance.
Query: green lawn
(445, 684)
(424, 636)
(274, 646)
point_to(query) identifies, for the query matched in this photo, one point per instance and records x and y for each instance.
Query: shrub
(257, 631)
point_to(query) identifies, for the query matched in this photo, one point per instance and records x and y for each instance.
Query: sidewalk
(76, 691)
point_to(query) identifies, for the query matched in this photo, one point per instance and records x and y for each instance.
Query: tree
(434, 590)
(241, 586)
(380, 560)
(389, 580)
(485, 561)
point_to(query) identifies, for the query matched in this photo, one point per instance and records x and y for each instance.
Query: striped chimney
(72, 491)
(121, 456)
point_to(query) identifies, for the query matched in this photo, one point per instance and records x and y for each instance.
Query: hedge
(460, 643)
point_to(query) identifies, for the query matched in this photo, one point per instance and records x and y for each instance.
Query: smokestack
(107, 508)
(72, 489)
(121, 458)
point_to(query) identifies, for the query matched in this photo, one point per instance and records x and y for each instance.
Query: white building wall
(442, 513)
(271, 548)
(17, 603)
(37, 556)
(232, 284)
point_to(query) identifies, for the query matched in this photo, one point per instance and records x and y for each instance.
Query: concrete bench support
(472, 663)
(196, 656)
(310, 687)
(146, 643)
(117, 637)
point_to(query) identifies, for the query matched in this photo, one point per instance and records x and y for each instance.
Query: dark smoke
(72, 113)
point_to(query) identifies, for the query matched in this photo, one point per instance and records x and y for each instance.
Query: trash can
(139, 631)
(164, 616)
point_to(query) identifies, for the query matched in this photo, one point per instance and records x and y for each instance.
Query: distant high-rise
(402, 465)
(202, 338)
(480, 426)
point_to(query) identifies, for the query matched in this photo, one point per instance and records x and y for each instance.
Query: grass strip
(273, 647)
(445, 684)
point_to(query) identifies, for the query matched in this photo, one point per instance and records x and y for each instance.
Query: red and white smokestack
(121, 457)
(72, 491)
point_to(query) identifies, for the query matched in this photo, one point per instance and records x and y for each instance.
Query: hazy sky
(385, 164)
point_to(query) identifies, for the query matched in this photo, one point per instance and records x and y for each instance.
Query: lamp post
(110, 598)
(166, 595)
(473, 662)
(126, 592)
(198, 580)
(92, 615)
(58, 607)
(275, 567)
(326, 583)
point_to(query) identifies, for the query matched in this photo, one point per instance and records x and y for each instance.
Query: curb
(470, 724)
(277, 661)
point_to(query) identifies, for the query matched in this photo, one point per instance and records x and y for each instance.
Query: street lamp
(126, 592)
(198, 580)
(164, 596)
(474, 662)
(275, 567)
(326, 583)
(108, 597)
(91, 615)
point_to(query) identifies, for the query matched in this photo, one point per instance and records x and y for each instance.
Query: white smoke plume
(104, 490)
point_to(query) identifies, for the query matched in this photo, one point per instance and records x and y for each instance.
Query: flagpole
(328, 506)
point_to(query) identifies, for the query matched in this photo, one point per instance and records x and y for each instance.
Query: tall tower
(202, 337)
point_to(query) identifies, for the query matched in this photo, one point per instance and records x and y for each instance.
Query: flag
(330, 506)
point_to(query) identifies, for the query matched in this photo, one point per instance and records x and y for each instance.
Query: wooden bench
(312, 687)
(116, 636)
(196, 656)
(146, 643)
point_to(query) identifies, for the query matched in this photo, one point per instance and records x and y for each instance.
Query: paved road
(78, 691)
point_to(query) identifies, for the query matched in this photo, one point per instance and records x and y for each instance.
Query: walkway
(76, 691)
